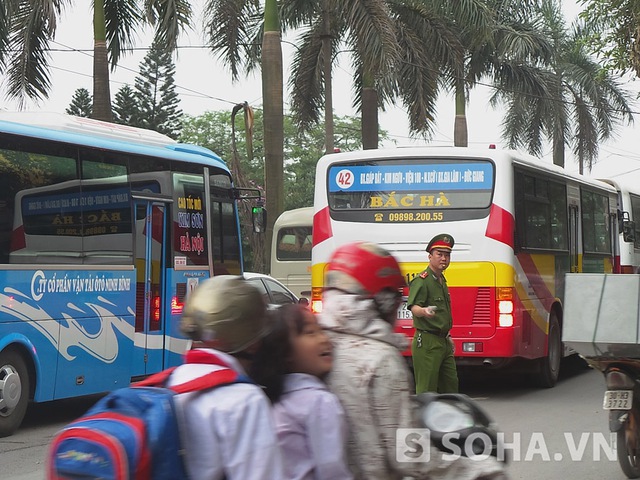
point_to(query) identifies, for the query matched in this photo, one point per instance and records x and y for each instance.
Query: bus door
(150, 260)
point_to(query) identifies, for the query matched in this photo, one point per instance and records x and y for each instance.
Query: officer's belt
(437, 334)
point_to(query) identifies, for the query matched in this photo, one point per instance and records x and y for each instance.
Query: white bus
(628, 260)
(519, 225)
(291, 250)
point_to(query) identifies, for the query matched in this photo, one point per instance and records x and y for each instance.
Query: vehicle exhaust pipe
(487, 362)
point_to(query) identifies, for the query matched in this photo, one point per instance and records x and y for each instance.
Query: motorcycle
(458, 425)
(622, 400)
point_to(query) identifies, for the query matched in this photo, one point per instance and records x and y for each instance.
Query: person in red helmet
(369, 375)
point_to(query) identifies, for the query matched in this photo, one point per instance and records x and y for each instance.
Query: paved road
(555, 433)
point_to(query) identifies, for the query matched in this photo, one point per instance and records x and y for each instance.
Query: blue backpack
(132, 433)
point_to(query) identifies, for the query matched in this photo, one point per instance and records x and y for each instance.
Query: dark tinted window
(38, 182)
(635, 216)
(541, 212)
(595, 227)
(294, 243)
(225, 235)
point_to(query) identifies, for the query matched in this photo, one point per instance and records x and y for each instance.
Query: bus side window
(288, 246)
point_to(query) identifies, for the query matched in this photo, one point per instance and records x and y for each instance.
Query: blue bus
(104, 231)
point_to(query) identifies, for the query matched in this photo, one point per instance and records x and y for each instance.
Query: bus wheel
(14, 392)
(549, 366)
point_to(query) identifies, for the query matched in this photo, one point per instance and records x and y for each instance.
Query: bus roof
(457, 152)
(622, 184)
(297, 216)
(109, 136)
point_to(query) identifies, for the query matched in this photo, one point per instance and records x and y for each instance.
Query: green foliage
(614, 27)
(81, 103)
(301, 153)
(301, 150)
(569, 99)
(125, 106)
(156, 93)
(153, 104)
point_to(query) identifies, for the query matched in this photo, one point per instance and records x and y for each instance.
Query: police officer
(430, 304)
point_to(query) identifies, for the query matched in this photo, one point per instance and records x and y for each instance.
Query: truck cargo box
(602, 314)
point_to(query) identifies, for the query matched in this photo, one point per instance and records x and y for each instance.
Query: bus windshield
(410, 190)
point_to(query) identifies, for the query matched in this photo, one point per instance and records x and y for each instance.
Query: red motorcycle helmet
(363, 268)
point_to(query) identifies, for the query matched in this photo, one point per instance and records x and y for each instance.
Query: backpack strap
(156, 380)
(224, 376)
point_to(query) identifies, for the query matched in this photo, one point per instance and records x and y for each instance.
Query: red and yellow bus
(519, 225)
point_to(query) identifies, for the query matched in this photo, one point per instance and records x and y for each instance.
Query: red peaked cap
(444, 241)
(364, 266)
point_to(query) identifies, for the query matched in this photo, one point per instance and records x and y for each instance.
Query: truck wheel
(628, 451)
(549, 366)
(14, 392)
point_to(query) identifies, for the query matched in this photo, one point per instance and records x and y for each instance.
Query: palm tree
(490, 34)
(367, 32)
(26, 28)
(398, 52)
(570, 100)
(243, 34)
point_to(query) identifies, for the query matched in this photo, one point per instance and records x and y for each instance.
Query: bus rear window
(419, 191)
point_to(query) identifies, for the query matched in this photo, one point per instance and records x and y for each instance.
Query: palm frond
(32, 25)
(122, 20)
(372, 35)
(170, 18)
(306, 81)
(230, 28)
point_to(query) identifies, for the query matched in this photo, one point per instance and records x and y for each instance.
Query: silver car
(274, 292)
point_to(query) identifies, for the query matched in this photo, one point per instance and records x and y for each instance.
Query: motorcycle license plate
(617, 400)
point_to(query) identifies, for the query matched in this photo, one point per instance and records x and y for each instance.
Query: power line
(88, 53)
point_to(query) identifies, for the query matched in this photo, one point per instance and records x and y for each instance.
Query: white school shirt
(227, 432)
(311, 430)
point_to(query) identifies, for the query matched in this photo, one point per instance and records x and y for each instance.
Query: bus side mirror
(259, 218)
(629, 231)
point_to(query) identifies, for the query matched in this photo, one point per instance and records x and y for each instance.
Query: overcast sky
(203, 84)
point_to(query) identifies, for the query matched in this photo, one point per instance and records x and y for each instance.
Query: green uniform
(433, 363)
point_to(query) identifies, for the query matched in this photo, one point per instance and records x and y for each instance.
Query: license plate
(617, 400)
(403, 313)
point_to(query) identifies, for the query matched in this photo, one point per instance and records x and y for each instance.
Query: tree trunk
(460, 132)
(328, 84)
(272, 87)
(101, 93)
(369, 113)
